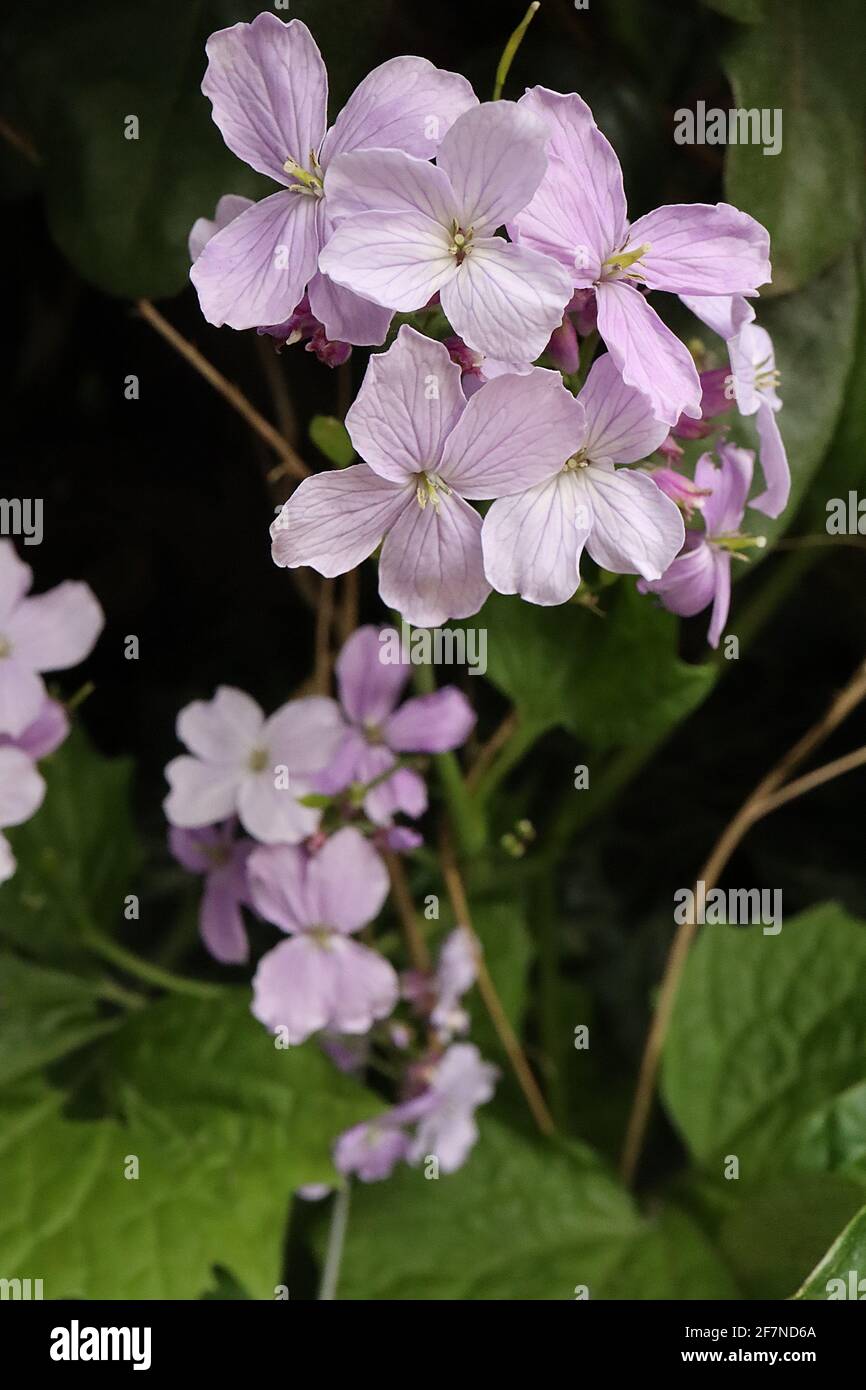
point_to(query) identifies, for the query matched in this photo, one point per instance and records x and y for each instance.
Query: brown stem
(488, 751)
(764, 798)
(493, 1004)
(324, 621)
(290, 461)
(347, 619)
(419, 952)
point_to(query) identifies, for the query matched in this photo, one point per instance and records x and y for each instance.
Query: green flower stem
(511, 48)
(145, 970)
(523, 739)
(336, 1242)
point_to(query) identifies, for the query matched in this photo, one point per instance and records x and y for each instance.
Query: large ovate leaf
(44, 1014)
(611, 681)
(766, 1029)
(805, 62)
(840, 1274)
(225, 1127)
(77, 856)
(520, 1221)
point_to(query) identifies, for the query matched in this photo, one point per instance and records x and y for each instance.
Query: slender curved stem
(336, 1245)
(145, 970)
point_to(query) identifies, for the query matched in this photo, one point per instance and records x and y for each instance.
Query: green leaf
(766, 1030)
(44, 1014)
(811, 195)
(331, 438)
(520, 1221)
(225, 1128)
(846, 1257)
(77, 857)
(611, 681)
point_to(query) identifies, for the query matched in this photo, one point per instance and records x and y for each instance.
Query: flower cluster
(291, 817)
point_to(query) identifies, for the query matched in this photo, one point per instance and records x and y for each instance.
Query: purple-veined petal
(387, 181)
(410, 400)
(582, 161)
(404, 104)
(335, 520)
(620, 424)
(515, 433)
(22, 694)
(494, 158)
(21, 787)
(724, 314)
(431, 569)
(347, 882)
(506, 300)
(15, 579)
(753, 364)
(347, 317)
(702, 248)
(201, 793)
(636, 529)
(554, 224)
(433, 723)
(728, 487)
(223, 730)
(722, 599)
(369, 686)
(774, 462)
(533, 542)
(271, 812)
(230, 206)
(688, 585)
(303, 735)
(55, 630)
(256, 269)
(277, 878)
(647, 354)
(269, 90)
(397, 259)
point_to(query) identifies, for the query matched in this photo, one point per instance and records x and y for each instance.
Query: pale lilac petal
(293, 989)
(343, 768)
(278, 887)
(636, 529)
(433, 723)
(620, 424)
(201, 793)
(15, 579)
(369, 686)
(753, 363)
(593, 209)
(230, 206)
(702, 248)
(370, 1151)
(722, 600)
(7, 860)
(724, 314)
(270, 811)
(21, 787)
(456, 972)
(409, 402)
(303, 735)
(647, 354)
(447, 1127)
(431, 568)
(256, 269)
(22, 694)
(688, 585)
(399, 260)
(335, 520)
(494, 157)
(221, 921)
(533, 542)
(515, 433)
(223, 730)
(405, 792)
(347, 882)
(199, 850)
(269, 90)
(774, 462)
(728, 487)
(55, 630)
(387, 181)
(45, 734)
(366, 986)
(346, 316)
(404, 104)
(506, 300)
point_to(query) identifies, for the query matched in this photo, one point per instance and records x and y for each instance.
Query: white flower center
(428, 489)
(461, 242)
(305, 181)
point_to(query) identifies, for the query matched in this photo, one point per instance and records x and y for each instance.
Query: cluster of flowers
(39, 633)
(290, 817)
(366, 225)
